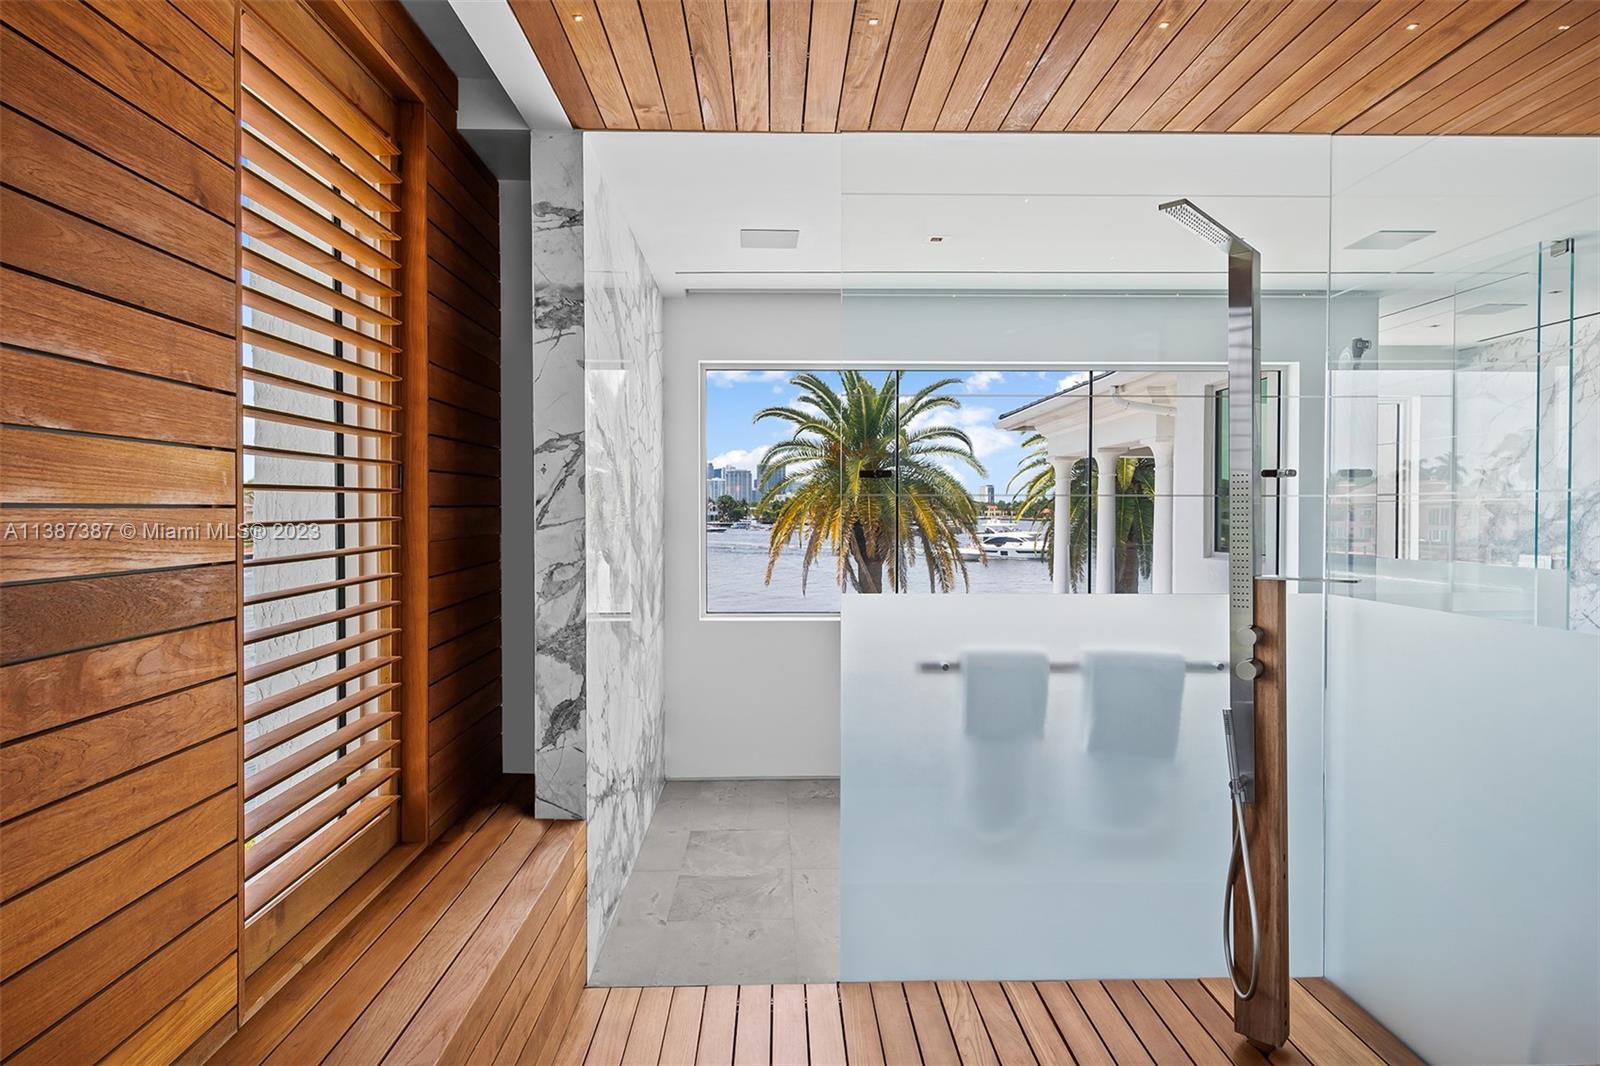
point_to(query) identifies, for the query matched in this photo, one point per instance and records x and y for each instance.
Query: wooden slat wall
(463, 518)
(120, 747)
(118, 694)
(1305, 66)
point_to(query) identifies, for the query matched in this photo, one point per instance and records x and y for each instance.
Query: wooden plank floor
(1106, 1023)
(474, 952)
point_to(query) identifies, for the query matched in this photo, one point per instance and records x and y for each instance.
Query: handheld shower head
(1186, 212)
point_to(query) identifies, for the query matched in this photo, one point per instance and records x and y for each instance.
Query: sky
(734, 396)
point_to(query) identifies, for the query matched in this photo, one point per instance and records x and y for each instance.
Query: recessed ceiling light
(1162, 25)
(1388, 240)
(872, 22)
(1563, 27)
(936, 239)
(1412, 26)
(769, 238)
(577, 18)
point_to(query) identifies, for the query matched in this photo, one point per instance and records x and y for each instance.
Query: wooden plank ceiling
(1274, 66)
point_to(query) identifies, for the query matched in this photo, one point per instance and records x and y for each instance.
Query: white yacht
(1004, 541)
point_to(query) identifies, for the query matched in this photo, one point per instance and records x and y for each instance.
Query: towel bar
(946, 666)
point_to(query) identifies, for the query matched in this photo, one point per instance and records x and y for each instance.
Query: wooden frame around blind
(273, 944)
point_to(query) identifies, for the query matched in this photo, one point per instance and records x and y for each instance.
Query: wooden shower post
(1264, 1018)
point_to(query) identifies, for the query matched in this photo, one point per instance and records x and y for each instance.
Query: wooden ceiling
(1308, 66)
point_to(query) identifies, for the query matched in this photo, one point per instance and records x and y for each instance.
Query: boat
(1013, 543)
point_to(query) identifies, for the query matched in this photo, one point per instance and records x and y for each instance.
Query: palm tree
(1135, 522)
(861, 476)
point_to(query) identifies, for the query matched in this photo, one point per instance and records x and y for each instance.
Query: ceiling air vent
(1387, 240)
(1489, 309)
(769, 238)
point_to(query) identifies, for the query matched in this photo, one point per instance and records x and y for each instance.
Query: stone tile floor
(737, 882)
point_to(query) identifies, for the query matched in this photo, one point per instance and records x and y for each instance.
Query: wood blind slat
(311, 655)
(270, 305)
(274, 164)
(319, 457)
(279, 131)
(283, 382)
(294, 71)
(298, 829)
(263, 82)
(289, 278)
(263, 193)
(318, 316)
(288, 418)
(259, 227)
(289, 730)
(321, 586)
(326, 618)
(272, 343)
(271, 884)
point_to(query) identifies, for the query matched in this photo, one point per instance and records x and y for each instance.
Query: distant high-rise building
(716, 488)
(773, 479)
(711, 471)
(988, 494)
(741, 483)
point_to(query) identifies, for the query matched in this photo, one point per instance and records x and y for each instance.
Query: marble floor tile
(662, 849)
(736, 882)
(647, 897)
(815, 847)
(816, 902)
(631, 954)
(812, 788)
(724, 852)
(729, 952)
(754, 896)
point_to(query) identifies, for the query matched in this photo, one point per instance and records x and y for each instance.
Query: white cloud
(981, 381)
(976, 422)
(727, 379)
(741, 458)
(1070, 380)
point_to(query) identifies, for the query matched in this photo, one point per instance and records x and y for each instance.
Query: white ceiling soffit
(1077, 212)
(499, 37)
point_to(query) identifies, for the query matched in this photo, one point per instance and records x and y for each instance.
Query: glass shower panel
(1463, 439)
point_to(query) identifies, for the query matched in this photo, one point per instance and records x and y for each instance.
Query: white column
(1105, 519)
(1161, 549)
(1061, 569)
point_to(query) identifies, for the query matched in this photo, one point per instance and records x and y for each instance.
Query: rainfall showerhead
(1209, 228)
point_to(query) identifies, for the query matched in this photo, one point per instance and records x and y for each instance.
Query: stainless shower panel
(1244, 468)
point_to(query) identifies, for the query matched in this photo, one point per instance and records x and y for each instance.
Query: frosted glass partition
(974, 845)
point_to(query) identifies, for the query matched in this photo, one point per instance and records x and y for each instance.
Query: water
(736, 563)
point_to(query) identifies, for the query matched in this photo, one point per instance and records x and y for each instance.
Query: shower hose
(1240, 858)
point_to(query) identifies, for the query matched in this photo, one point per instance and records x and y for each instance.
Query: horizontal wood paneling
(119, 585)
(118, 492)
(1305, 66)
(464, 476)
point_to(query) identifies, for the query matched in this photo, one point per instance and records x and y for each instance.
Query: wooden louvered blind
(320, 390)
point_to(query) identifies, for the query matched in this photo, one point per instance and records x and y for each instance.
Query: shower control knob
(1249, 635)
(1248, 670)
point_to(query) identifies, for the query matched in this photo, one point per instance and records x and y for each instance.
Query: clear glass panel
(1460, 496)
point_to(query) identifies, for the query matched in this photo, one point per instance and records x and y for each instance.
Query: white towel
(1006, 693)
(1132, 701)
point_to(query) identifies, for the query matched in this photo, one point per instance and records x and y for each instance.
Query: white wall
(760, 697)
(1463, 853)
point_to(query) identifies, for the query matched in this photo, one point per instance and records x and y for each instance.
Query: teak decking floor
(1165, 1023)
